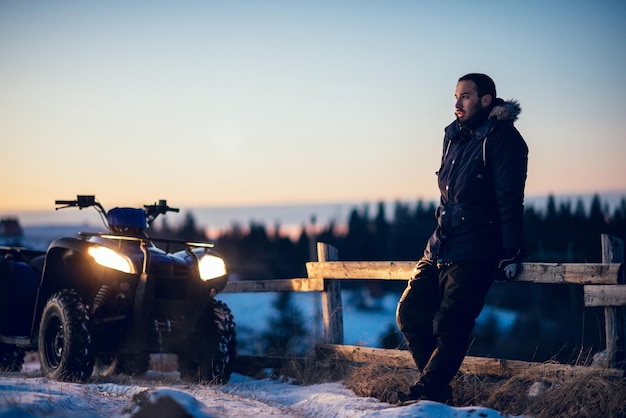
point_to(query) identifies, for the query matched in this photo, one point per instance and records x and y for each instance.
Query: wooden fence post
(613, 252)
(332, 310)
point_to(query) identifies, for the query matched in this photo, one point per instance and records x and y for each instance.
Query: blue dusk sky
(209, 103)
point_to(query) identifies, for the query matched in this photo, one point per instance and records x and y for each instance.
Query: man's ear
(486, 100)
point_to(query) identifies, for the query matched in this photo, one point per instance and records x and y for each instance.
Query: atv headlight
(211, 267)
(108, 258)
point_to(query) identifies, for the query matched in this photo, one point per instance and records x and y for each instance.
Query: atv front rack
(145, 241)
(167, 241)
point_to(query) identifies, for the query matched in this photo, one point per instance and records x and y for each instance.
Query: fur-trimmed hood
(503, 111)
(506, 110)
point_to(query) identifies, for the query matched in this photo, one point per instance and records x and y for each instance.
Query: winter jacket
(481, 179)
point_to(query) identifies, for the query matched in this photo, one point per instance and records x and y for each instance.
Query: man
(478, 238)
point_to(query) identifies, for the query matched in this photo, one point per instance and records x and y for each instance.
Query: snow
(363, 327)
(27, 394)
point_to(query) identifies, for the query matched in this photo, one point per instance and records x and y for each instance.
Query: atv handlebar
(85, 201)
(161, 208)
(64, 202)
(82, 201)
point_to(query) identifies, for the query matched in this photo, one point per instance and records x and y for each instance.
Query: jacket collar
(503, 111)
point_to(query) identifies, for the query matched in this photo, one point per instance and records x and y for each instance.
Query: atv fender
(67, 266)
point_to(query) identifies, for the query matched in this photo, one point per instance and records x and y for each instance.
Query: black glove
(508, 266)
(424, 268)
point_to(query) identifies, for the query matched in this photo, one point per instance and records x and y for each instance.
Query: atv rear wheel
(65, 350)
(11, 358)
(210, 352)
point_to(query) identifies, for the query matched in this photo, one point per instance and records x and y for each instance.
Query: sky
(235, 103)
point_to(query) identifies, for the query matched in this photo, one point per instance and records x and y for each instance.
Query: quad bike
(106, 301)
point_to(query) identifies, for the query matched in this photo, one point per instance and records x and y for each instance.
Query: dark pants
(437, 313)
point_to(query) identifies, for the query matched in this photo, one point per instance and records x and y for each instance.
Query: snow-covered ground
(364, 325)
(27, 394)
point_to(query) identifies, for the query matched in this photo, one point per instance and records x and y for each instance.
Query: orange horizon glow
(211, 104)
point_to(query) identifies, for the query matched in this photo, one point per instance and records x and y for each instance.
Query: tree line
(563, 232)
(549, 317)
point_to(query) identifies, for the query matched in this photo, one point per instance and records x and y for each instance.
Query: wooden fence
(603, 284)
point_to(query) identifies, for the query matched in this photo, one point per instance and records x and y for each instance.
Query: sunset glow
(272, 102)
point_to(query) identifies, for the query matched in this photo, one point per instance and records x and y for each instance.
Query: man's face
(468, 104)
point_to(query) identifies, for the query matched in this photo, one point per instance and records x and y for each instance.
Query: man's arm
(509, 159)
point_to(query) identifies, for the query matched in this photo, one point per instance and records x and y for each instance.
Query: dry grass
(382, 383)
(586, 395)
(310, 371)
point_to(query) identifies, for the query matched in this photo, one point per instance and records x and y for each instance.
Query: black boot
(419, 392)
(416, 393)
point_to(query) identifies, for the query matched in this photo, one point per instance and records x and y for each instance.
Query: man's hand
(509, 265)
(510, 271)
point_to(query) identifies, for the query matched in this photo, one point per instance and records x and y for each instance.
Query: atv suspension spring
(104, 295)
(158, 330)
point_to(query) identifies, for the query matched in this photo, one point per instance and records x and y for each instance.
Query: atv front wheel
(11, 358)
(210, 352)
(65, 350)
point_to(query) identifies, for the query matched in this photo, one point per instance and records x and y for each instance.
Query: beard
(474, 117)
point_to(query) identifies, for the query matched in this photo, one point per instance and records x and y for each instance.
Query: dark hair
(484, 84)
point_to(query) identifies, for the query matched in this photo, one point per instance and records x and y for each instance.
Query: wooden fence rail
(604, 286)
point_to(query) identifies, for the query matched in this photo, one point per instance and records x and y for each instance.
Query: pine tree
(286, 328)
